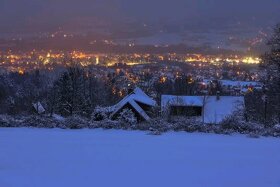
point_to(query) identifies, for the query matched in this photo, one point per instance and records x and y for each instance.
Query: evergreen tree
(271, 65)
(72, 93)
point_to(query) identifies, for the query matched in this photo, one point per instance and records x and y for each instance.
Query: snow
(217, 110)
(141, 97)
(138, 91)
(55, 158)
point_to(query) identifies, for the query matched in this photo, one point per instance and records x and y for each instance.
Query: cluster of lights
(251, 60)
(49, 59)
(236, 59)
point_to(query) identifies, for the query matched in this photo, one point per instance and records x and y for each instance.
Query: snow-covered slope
(56, 158)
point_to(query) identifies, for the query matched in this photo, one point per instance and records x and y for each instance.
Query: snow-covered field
(88, 158)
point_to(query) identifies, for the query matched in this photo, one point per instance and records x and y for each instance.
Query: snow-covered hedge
(9, 121)
(155, 126)
(75, 122)
(100, 113)
(40, 122)
(105, 124)
(127, 118)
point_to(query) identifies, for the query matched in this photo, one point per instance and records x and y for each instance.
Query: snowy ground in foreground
(72, 158)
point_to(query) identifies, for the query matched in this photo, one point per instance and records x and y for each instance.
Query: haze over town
(234, 25)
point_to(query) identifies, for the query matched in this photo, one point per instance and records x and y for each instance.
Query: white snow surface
(56, 158)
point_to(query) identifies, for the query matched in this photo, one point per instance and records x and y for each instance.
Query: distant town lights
(251, 60)
(97, 60)
(20, 71)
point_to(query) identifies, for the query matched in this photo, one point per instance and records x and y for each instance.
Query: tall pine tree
(72, 93)
(271, 65)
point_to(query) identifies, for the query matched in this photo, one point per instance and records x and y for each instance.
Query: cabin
(208, 109)
(137, 101)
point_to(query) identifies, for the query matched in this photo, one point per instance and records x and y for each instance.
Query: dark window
(186, 110)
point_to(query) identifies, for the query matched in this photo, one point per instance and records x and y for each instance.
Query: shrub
(100, 113)
(127, 118)
(157, 124)
(4, 121)
(40, 122)
(277, 128)
(76, 122)
(106, 124)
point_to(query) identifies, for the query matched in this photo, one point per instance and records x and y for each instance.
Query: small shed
(210, 109)
(139, 102)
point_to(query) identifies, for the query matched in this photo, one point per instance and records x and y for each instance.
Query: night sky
(229, 18)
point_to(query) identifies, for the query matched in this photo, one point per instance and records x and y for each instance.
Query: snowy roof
(173, 100)
(237, 83)
(141, 97)
(137, 96)
(214, 110)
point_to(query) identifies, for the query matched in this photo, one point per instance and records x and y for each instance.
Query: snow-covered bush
(11, 121)
(4, 121)
(236, 121)
(100, 113)
(127, 118)
(277, 128)
(109, 124)
(157, 124)
(231, 122)
(76, 122)
(40, 122)
(186, 124)
(254, 127)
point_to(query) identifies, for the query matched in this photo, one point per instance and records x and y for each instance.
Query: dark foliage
(271, 65)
